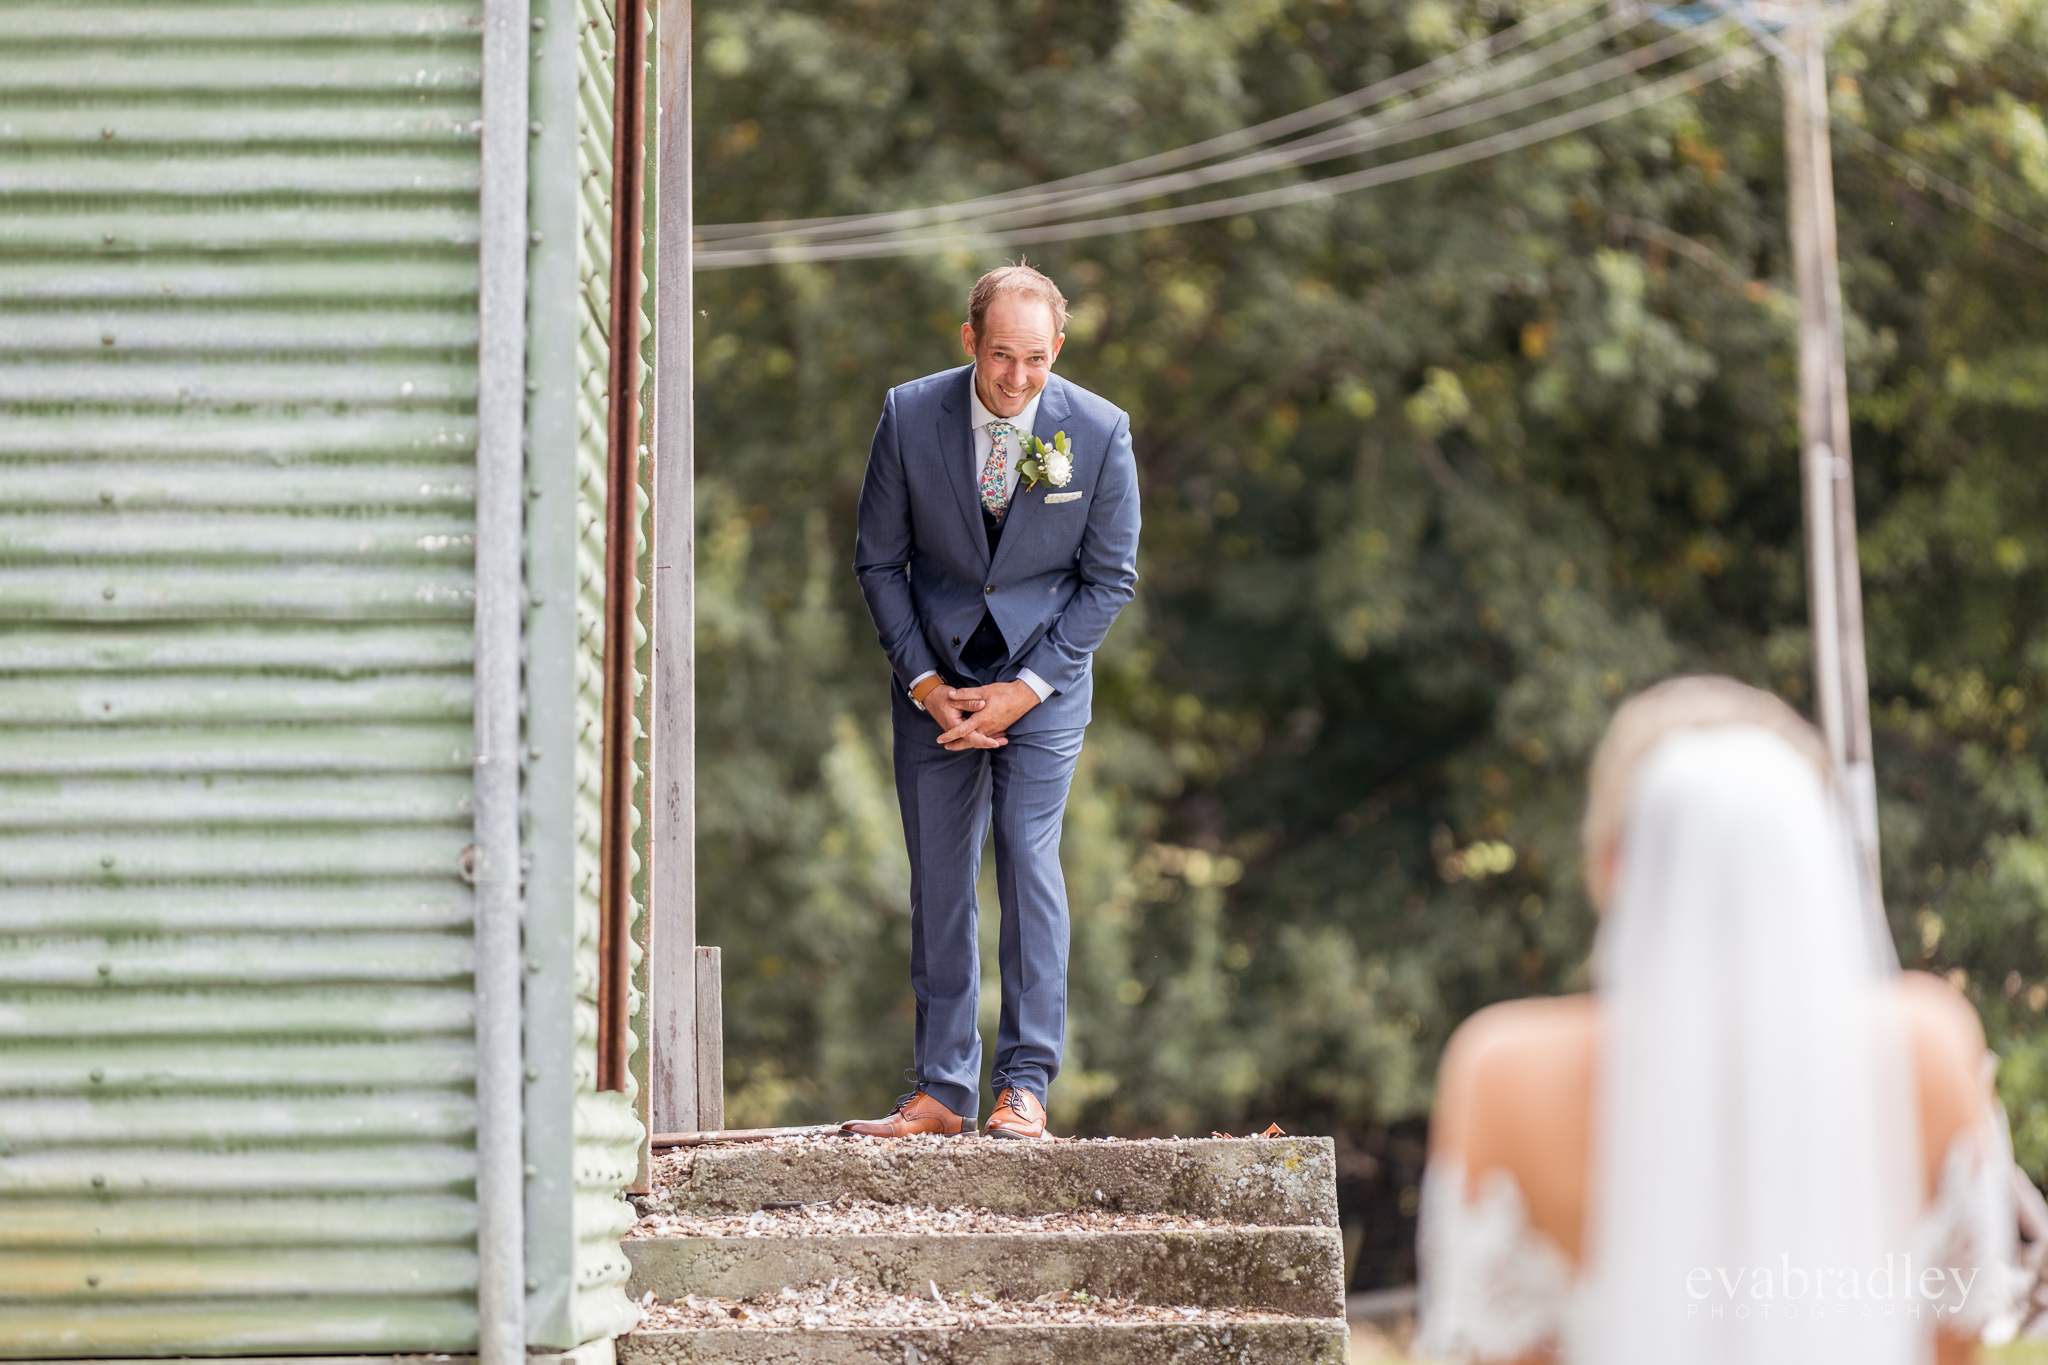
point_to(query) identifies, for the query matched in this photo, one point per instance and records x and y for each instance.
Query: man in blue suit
(993, 571)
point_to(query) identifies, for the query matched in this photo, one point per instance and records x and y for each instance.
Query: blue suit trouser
(949, 801)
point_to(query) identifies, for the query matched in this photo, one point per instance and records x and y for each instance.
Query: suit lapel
(1052, 410)
(956, 452)
(1025, 506)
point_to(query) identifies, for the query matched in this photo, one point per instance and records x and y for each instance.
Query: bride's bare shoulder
(1507, 1053)
(1947, 1039)
(1538, 1021)
(1941, 1015)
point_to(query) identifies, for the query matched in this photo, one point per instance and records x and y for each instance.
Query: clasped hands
(976, 717)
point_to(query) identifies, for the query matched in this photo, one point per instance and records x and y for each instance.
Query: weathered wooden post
(710, 1040)
(672, 843)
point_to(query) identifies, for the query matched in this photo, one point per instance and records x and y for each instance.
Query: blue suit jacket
(1061, 574)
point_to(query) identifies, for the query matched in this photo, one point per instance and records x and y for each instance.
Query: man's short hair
(1649, 717)
(1015, 279)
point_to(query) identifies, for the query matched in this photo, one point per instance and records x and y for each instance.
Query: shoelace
(909, 1074)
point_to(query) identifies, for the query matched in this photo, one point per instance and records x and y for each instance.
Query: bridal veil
(1756, 1163)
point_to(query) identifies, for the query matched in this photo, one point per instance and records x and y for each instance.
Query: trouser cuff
(958, 1098)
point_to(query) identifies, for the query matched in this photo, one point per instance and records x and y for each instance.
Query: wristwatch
(916, 699)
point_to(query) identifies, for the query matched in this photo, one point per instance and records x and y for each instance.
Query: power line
(1965, 157)
(1347, 142)
(1918, 175)
(1356, 135)
(1509, 140)
(1415, 121)
(1377, 93)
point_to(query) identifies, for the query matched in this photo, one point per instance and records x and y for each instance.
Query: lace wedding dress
(1755, 1121)
(1495, 1288)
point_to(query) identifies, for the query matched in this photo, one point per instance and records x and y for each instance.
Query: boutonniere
(1054, 463)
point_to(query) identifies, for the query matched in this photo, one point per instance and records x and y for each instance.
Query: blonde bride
(1757, 1141)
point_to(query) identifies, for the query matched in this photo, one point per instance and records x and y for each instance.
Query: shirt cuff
(1035, 683)
(917, 682)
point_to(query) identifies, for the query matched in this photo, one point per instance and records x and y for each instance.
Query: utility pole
(1833, 577)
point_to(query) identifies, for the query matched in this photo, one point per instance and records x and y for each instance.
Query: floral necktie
(995, 481)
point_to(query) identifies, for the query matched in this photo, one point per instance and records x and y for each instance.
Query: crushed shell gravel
(848, 1217)
(843, 1303)
(832, 1137)
(672, 1166)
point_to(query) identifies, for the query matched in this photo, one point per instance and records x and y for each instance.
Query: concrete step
(1131, 1253)
(1276, 1182)
(1310, 1342)
(1298, 1270)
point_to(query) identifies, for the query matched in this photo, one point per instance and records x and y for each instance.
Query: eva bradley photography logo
(1791, 1293)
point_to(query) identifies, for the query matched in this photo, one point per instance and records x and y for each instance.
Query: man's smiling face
(1013, 352)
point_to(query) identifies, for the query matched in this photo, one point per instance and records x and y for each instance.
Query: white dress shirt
(979, 417)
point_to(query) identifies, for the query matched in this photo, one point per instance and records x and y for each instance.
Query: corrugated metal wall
(584, 1143)
(237, 329)
(607, 1125)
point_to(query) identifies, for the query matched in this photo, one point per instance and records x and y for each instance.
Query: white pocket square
(1051, 498)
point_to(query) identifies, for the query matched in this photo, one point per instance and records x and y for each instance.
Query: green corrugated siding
(237, 332)
(607, 1130)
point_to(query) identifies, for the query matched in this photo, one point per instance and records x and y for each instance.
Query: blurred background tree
(1434, 476)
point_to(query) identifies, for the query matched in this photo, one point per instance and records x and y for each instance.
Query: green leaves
(1433, 476)
(1052, 463)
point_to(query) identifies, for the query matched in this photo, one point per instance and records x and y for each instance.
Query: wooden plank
(710, 1040)
(672, 842)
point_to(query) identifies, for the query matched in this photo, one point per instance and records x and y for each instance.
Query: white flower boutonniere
(1053, 463)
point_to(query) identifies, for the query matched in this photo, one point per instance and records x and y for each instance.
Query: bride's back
(1516, 1092)
(1755, 1093)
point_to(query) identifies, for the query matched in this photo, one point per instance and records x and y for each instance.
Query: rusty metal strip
(710, 1138)
(622, 514)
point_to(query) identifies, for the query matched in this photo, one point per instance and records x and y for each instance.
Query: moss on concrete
(1276, 1182)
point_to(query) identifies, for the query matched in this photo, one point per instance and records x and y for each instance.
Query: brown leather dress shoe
(915, 1113)
(1018, 1116)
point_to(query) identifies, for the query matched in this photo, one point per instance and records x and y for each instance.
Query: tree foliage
(1434, 475)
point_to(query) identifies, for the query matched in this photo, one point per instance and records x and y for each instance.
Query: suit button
(956, 641)
(989, 590)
